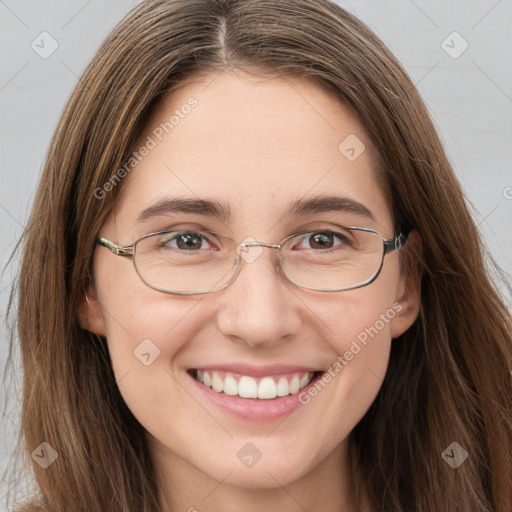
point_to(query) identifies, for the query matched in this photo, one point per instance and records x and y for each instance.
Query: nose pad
(248, 252)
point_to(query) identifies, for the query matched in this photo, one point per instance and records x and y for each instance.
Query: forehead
(254, 144)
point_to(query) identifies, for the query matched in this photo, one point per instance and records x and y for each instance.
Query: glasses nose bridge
(260, 244)
(243, 247)
(243, 253)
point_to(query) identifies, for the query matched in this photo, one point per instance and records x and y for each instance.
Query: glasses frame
(396, 243)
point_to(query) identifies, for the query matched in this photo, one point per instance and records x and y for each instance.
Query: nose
(259, 307)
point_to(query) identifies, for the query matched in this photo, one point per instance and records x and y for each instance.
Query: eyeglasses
(194, 262)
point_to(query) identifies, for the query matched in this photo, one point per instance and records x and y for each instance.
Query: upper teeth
(249, 387)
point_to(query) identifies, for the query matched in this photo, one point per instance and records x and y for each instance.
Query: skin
(255, 144)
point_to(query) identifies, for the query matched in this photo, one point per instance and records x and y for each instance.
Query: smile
(244, 386)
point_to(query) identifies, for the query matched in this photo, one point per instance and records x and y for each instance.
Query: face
(256, 146)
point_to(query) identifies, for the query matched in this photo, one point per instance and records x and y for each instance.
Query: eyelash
(165, 241)
(307, 236)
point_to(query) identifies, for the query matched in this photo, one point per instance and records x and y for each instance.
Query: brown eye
(323, 240)
(186, 241)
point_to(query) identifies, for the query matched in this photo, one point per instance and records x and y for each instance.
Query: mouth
(245, 386)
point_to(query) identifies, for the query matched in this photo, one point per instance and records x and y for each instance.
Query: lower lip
(255, 409)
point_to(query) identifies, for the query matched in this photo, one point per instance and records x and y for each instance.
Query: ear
(90, 314)
(408, 292)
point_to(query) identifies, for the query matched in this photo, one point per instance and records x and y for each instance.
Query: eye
(323, 240)
(186, 241)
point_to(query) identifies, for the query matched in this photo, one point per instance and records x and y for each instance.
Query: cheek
(358, 331)
(148, 328)
(363, 348)
(143, 342)
(145, 331)
(358, 322)
(134, 313)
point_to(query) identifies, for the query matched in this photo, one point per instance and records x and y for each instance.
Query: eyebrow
(328, 203)
(301, 207)
(185, 205)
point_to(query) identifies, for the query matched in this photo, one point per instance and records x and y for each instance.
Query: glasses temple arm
(116, 249)
(396, 243)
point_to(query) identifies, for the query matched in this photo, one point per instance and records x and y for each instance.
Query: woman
(250, 280)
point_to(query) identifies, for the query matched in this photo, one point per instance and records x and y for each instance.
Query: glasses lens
(201, 262)
(333, 260)
(185, 261)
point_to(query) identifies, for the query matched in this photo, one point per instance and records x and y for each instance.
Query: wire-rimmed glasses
(189, 262)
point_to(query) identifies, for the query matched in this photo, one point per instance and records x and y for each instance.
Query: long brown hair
(449, 377)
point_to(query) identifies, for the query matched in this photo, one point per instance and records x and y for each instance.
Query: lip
(254, 409)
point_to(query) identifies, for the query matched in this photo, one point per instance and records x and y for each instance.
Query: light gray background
(470, 98)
